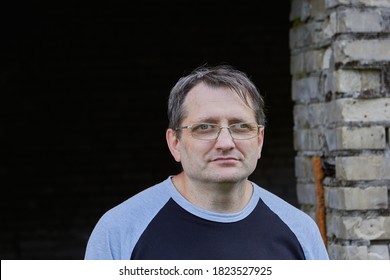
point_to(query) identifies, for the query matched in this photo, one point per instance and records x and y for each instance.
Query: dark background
(83, 106)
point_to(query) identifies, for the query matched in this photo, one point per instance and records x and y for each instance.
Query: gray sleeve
(118, 230)
(303, 226)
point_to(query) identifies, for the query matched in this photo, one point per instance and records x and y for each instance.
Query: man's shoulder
(288, 212)
(303, 225)
(118, 230)
(145, 203)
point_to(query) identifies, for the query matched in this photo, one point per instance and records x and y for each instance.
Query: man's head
(216, 125)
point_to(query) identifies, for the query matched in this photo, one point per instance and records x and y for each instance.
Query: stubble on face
(223, 161)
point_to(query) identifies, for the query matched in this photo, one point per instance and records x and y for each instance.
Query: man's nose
(225, 139)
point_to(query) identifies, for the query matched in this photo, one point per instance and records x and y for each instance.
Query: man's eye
(244, 127)
(203, 127)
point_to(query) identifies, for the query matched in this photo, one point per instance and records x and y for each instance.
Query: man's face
(223, 160)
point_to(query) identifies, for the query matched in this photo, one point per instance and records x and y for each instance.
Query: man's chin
(228, 178)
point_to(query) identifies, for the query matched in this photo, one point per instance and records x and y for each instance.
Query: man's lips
(225, 159)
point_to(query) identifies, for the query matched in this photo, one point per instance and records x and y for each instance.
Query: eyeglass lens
(238, 131)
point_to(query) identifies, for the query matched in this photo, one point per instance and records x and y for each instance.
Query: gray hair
(217, 76)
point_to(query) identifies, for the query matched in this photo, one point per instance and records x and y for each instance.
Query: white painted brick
(334, 3)
(356, 81)
(327, 58)
(356, 198)
(317, 114)
(308, 140)
(370, 80)
(372, 3)
(339, 252)
(330, 138)
(330, 80)
(362, 50)
(363, 168)
(303, 168)
(307, 62)
(314, 60)
(358, 138)
(301, 116)
(310, 115)
(306, 193)
(354, 20)
(323, 30)
(347, 81)
(375, 228)
(305, 89)
(308, 33)
(355, 110)
(378, 252)
(297, 62)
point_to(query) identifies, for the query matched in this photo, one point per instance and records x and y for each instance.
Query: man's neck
(214, 197)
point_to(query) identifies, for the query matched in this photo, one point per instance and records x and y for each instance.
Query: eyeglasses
(210, 131)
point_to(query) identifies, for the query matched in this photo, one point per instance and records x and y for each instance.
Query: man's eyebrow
(238, 120)
(208, 120)
(216, 120)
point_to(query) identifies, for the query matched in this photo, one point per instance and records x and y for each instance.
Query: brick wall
(83, 106)
(340, 59)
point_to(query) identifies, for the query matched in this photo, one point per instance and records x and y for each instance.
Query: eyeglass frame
(259, 126)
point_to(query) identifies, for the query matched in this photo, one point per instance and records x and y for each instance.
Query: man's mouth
(225, 160)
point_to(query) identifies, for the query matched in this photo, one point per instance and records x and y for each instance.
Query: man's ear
(173, 143)
(260, 142)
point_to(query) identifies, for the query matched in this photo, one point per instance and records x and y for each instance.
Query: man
(210, 210)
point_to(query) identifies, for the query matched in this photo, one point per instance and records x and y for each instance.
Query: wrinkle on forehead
(218, 103)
